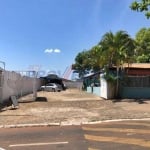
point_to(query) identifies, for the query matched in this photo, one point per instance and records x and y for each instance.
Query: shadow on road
(41, 99)
(38, 99)
(139, 101)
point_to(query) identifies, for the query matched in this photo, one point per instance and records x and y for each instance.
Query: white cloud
(57, 50)
(52, 50)
(48, 50)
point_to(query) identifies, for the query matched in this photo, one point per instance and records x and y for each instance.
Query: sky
(48, 34)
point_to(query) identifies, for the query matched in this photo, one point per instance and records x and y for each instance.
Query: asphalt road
(127, 135)
(43, 138)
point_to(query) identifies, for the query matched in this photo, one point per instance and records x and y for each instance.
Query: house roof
(93, 74)
(138, 65)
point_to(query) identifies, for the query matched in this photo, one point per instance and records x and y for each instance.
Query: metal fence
(135, 81)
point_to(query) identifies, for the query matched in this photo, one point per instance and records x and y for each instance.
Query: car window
(50, 84)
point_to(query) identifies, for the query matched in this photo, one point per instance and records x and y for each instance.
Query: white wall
(15, 84)
(73, 84)
(107, 89)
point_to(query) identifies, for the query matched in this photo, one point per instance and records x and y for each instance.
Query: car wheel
(53, 90)
(42, 89)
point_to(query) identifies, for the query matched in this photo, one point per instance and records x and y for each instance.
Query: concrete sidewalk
(71, 107)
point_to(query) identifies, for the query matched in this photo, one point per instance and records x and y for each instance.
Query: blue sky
(50, 33)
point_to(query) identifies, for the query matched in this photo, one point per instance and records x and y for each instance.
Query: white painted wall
(107, 89)
(73, 84)
(15, 84)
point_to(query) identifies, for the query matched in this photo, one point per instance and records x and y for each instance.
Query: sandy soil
(72, 106)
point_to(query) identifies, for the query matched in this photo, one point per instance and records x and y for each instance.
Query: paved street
(43, 138)
(125, 135)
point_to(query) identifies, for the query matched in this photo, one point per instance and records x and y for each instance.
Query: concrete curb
(30, 125)
(69, 123)
(116, 120)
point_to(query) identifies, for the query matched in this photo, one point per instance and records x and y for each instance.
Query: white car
(51, 87)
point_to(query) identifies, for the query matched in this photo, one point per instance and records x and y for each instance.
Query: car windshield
(50, 84)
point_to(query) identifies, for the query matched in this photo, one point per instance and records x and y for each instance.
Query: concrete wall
(89, 89)
(15, 84)
(135, 92)
(107, 88)
(73, 84)
(94, 90)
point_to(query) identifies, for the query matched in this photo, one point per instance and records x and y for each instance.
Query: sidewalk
(72, 107)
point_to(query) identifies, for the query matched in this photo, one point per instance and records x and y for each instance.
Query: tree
(113, 50)
(142, 39)
(91, 60)
(142, 6)
(97, 58)
(118, 49)
(82, 62)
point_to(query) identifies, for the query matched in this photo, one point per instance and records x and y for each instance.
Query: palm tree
(119, 49)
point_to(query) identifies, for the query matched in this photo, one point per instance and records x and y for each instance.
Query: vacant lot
(72, 106)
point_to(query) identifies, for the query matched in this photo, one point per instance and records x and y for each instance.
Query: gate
(135, 87)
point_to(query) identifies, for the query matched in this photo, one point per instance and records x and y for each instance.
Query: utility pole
(34, 85)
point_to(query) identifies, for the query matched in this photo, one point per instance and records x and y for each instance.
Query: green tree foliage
(112, 50)
(89, 60)
(142, 6)
(82, 62)
(119, 48)
(96, 57)
(142, 39)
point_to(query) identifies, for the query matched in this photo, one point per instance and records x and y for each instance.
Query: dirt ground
(72, 106)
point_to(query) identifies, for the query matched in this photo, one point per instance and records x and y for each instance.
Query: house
(134, 82)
